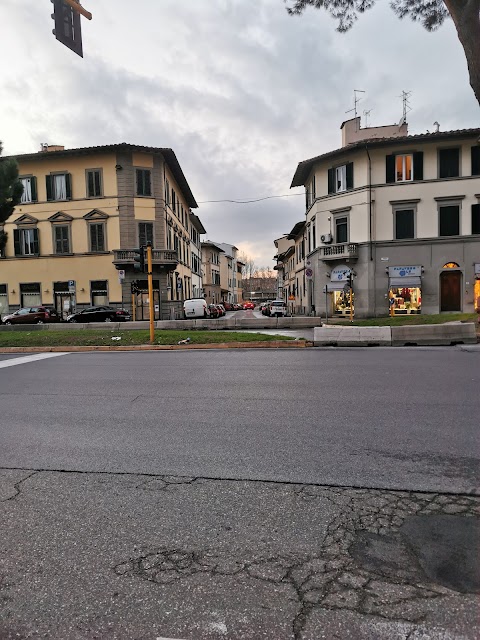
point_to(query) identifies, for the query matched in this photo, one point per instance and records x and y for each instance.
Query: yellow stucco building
(71, 241)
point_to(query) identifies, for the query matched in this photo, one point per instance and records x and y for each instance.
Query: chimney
(45, 147)
(353, 132)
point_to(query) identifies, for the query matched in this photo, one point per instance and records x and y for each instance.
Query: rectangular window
(94, 183)
(144, 182)
(99, 292)
(403, 168)
(97, 237)
(145, 233)
(61, 235)
(314, 238)
(29, 189)
(30, 294)
(3, 299)
(476, 218)
(449, 220)
(59, 186)
(404, 224)
(341, 230)
(448, 163)
(26, 242)
(340, 178)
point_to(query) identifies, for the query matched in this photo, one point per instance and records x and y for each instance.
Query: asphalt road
(386, 418)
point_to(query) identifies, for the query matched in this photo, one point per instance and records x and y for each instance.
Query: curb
(273, 344)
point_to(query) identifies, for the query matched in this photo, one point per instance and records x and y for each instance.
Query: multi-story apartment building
(230, 273)
(212, 289)
(196, 231)
(72, 240)
(398, 213)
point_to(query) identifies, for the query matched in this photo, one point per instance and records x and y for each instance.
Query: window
(30, 294)
(310, 193)
(314, 238)
(448, 163)
(144, 182)
(340, 178)
(94, 183)
(341, 229)
(476, 218)
(167, 192)
(97, 236)
(99, 292)
(404, 224)
(404, 167)
(475, 160)
(26, 242)
(174, 202)
(3, 299)
(59, 186)
(145, 233)
(29, 189)
(61, 238)
(449, 220)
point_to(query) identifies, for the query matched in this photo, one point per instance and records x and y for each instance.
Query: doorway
(451, 291)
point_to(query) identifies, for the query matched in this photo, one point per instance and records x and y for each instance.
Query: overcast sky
(237, 88)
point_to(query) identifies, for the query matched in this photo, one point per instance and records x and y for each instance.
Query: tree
(431, 13)
(11, 189)
(249, 266)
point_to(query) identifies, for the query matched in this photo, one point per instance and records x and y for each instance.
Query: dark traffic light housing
(134, 287)
(139, 260)
(68, 29)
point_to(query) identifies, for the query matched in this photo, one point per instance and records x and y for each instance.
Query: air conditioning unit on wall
(326, 238)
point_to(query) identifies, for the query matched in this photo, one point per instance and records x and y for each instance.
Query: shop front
(342, 297)
(476, 288)
(405, 290)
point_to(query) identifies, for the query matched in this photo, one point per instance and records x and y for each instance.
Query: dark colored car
(99, 314)
(32, 315)
(228, 306)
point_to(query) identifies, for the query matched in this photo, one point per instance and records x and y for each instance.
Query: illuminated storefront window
(405, 290)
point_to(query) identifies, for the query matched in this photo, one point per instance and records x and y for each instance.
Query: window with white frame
(59, 186)
(404, 168)
(26, 242)
(340, 179)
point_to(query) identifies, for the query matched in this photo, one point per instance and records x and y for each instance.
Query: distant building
(212, 289)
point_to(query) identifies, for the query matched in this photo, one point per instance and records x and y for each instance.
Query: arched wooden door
(451, 291)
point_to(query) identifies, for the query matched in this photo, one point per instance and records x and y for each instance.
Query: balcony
(344, 251)
(160, 257)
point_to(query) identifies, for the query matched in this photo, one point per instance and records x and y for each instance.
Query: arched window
(451, 265)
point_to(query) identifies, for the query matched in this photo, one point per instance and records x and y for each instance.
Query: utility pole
(150, 292)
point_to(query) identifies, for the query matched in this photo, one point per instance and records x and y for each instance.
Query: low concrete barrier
(339, 336)
(434, 334)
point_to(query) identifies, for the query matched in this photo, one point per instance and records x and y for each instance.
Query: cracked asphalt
(102, 550)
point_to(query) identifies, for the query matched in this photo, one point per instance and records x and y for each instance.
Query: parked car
(222, 309)
(237, 307)
(278, 308)
(99, 314)
(228, 306)
(214, 311)
(248, 305)
(266, 308)
(32, 315)
(195, 308)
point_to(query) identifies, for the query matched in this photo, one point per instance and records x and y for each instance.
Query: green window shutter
(148, 183)
(68, 185)
(331, 181)
(390, 168)
(36, 242)
(98, 183)
(418, 165)
(90, 184)
(16, 242)
(475, 218)
(349, 172)
(476, 161)
(33, 187)
(49, 183)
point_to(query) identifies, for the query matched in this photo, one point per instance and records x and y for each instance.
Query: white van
(277, 308)
(195, 308)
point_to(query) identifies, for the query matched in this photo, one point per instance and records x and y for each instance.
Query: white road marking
(25, 359)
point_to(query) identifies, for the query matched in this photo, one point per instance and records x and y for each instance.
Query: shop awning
(336, 286)
(407, 281)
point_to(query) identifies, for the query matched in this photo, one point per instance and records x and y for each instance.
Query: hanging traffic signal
(134, 287)
(139, 259)
(68, 28)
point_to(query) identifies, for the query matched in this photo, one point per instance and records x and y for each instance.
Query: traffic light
(134, 287)
(68, 29)
(139, 260)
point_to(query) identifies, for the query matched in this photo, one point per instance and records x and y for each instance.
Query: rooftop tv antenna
(406, 106)
(367, 116)
(356, 100)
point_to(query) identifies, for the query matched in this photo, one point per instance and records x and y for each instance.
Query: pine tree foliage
(11, 188)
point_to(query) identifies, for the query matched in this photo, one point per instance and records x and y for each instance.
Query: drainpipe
(370, 228)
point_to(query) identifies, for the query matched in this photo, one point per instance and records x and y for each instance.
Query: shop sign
(404, 272)
(477, 269)
(340, 274)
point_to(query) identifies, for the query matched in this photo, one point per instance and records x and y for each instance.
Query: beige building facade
(72, 240)
(212, 289)
(401, 216)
